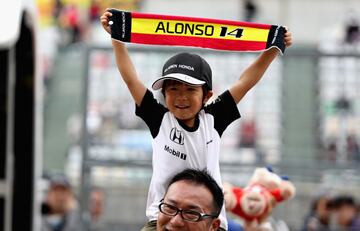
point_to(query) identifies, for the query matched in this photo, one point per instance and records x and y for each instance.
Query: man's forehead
(59, 187)
(190, 193)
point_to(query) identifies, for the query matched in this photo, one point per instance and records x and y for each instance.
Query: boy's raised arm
(255, 71)
(125, 65)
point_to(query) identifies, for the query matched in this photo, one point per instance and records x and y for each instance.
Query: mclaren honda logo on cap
(182, 66)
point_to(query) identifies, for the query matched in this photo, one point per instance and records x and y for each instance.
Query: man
(346, 213)
(60, 210)
(192, 201)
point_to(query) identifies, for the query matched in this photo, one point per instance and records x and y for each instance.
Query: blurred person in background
(352, 29)
(192, 201)
(352, 148)
(331, 151)
(248, 133)
(94, 11)
(97, 203)
(58, 8)
(250, 9)
(346, 213)
(71, 24)
(60, 208)
(318, 218)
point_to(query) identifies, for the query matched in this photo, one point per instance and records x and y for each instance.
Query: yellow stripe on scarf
(197, 29)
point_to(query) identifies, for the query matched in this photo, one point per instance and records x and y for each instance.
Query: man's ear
(215, 225)
(207, 96)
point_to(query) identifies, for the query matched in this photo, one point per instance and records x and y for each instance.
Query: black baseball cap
(187, 68)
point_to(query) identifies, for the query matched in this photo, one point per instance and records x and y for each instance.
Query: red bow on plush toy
(256, 201)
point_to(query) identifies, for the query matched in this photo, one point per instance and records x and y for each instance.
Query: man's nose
(177, 220)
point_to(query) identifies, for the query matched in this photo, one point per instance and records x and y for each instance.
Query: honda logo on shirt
(177, 136)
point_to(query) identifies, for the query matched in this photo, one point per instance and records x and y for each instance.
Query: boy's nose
(182, 95)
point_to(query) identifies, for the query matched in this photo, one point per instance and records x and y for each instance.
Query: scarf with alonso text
(155, 29)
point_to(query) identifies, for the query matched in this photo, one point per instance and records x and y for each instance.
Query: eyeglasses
(187, 215)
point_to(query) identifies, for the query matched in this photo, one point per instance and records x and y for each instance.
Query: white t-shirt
(177, 147)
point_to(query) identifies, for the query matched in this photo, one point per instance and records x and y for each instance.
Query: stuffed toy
(256, 201)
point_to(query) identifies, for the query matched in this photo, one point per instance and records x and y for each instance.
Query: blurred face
(254, 203)
(184, 100)
(97, 204)
(322, 210)
(344, 215)
(188, 196)
(58, 198)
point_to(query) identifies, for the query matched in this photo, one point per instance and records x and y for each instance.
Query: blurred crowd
(339, 212)
(61, 211)
(74, 22)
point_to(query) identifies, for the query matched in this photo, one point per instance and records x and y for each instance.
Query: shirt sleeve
(152, 112)
(224, 110)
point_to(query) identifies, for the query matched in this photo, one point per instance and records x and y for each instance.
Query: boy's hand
(104, 19)
(287, 38)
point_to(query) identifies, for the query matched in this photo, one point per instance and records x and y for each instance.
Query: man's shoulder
(356, 222)
(73, 219)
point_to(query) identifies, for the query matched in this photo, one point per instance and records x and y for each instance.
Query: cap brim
(178, 77)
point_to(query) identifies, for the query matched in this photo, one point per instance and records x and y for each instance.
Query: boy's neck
(194, 126)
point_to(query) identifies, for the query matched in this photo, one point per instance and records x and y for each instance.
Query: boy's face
(184, 100)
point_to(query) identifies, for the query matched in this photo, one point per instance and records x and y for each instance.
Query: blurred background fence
(303, 117)
(300, 119)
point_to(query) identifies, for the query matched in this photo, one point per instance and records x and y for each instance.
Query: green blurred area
(63, 99)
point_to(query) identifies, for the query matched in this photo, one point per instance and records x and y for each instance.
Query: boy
(186, 134)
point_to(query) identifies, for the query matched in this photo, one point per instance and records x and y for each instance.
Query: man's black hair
(342, 200)
(202, 177)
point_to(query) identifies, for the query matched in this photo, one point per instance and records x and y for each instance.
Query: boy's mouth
(182, 106)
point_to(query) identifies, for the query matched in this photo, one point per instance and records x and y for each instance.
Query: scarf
(156, 29)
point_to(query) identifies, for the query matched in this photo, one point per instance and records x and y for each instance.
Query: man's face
(58, 198)
(188, 196)
(344, 214)
(322, 210)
